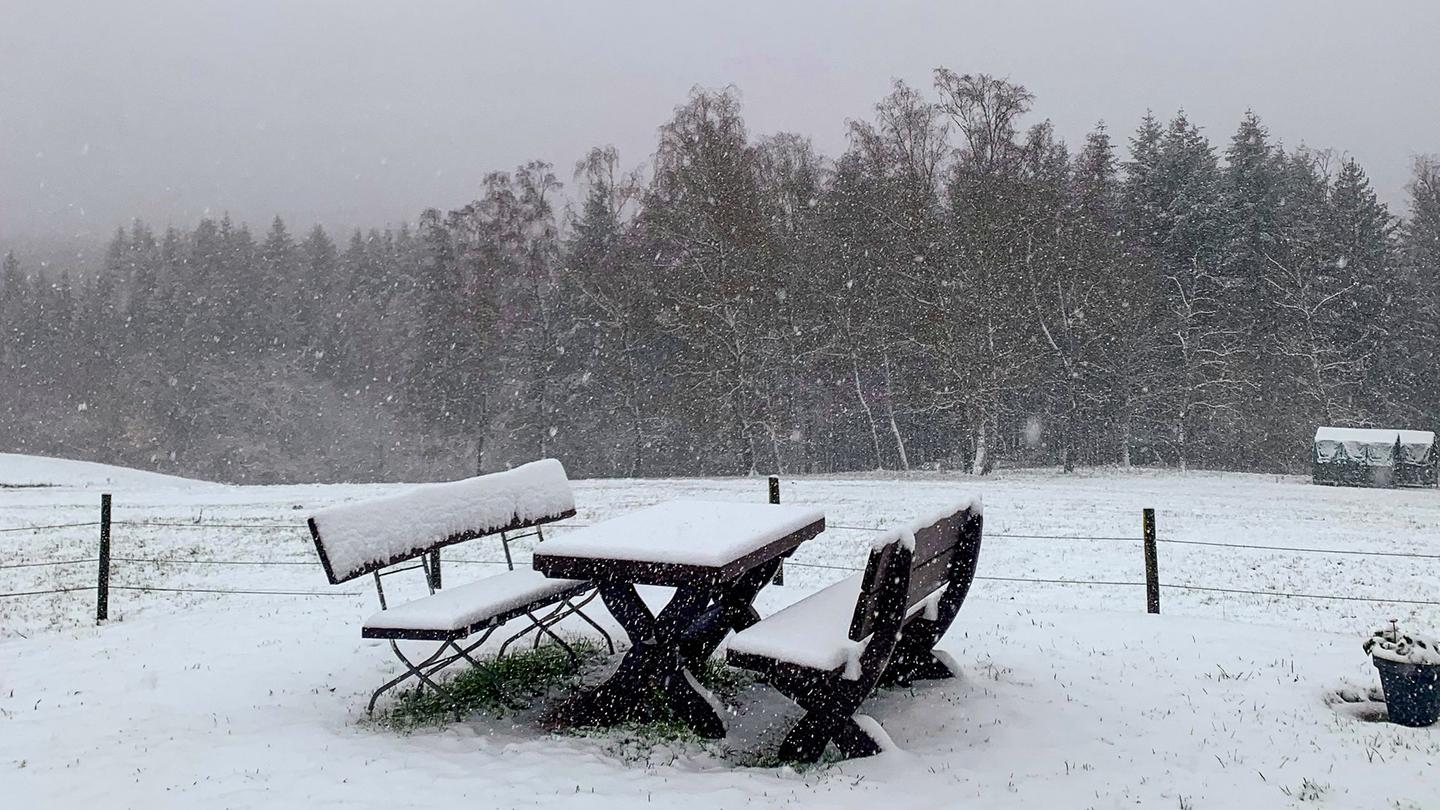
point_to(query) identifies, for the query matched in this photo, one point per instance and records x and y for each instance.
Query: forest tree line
(958, 289)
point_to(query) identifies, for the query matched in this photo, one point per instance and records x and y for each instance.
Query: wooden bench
(829, 651)
(405, 532)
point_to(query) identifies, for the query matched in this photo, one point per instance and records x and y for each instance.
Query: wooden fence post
(775, 498)
(102, 583)
(1152, 565)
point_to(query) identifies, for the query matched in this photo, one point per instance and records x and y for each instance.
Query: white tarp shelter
(1374, 457)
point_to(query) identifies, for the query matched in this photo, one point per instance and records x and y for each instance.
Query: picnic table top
(678, 542)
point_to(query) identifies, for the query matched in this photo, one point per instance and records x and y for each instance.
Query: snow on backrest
(878, 569)
(931, 542)
(947, 545)
(355, 539)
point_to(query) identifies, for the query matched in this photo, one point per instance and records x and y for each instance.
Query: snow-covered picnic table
(716, 555)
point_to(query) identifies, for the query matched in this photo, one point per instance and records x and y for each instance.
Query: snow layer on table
(458, 608)
(700, 533)
(358, 536)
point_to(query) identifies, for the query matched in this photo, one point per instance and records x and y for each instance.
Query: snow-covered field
(1071, 695)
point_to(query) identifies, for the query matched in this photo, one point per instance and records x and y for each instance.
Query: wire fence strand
(257, 592)
(1063, 537)
(271, 526)
(1334, 597)
(1062, 581)
(802, 564)
(177, 525)
(1004, 535)
(49, 563)
(51, 590)
(50, 526)
(1302, 550)
(183, 561)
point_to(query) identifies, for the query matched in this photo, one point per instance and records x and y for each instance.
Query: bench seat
(829, 651)
(814, 632)
(460, 611)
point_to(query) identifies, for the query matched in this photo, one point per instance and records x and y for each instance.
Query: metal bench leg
(565, 609)
(568, 608)
(465, 651)
(421, 671)
(533, 626)
(543, 626)
(575, 609)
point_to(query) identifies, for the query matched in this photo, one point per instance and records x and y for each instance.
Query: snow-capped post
(1152, 565)
(102, 583)
(775, 498)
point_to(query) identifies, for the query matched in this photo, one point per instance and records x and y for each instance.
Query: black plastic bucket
(1412, 691)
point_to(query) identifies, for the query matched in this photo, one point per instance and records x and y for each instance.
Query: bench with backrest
(405, 532)
(830, 650)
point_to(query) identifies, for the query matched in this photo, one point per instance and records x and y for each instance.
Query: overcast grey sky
(364, 113)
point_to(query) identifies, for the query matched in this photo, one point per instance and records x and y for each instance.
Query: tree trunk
(890, 411)
(981, 464)
(899, 442)
(775, 448)
(1125, 442)
(639, 438)
(869, 415)
(745, 443)
(1180, 442)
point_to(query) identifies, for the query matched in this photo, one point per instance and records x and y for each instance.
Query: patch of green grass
(660, 726)
(497, 687)
(725, 681)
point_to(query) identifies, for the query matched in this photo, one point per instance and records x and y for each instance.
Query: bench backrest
(356, 539)
(938, 551)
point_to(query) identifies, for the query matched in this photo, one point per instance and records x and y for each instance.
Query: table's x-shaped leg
(654, 664)
(733, 610)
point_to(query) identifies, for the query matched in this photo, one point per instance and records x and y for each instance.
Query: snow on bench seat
(815, 632)
(461, 610)
(362, 537)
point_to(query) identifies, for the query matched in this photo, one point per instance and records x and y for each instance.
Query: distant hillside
(39, 471)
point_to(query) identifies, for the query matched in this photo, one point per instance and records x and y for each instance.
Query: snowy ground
(1071, 695)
